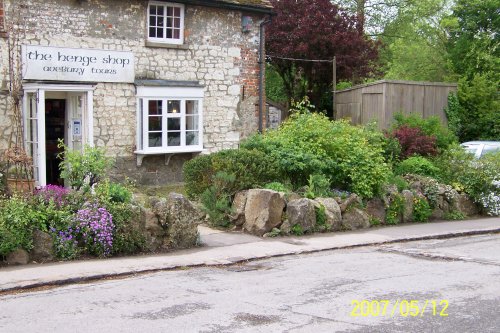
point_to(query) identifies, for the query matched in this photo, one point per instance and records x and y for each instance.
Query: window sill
(166, 45)
(168, 154)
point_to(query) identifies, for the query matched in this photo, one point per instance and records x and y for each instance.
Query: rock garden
(93, 217)
(316, 175)
(311, 175)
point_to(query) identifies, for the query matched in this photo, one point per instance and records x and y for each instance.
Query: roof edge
(417, 83)
(233, 6)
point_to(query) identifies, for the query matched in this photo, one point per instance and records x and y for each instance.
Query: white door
(79, 122)
(34, 131)
(76, 121)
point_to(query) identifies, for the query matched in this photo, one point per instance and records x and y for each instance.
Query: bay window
(169, 120)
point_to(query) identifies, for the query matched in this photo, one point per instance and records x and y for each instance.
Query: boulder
(437, 214)
(263, 211)
(332, 211)
(43, 247)
(18, 257)
(292, 196)
(349, 201)
(375, 208)
(465, 205)
(239, 203)
(390, 191)
(408, 206)
(355, 218)
(182, 219)
(300, 212)
(153, 231)
(160, 209)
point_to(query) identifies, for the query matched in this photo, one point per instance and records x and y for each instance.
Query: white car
(480, 148)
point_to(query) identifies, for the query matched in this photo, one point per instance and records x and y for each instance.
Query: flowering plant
(491, 200)
(54, 193)
(95, 227)
(65, 243)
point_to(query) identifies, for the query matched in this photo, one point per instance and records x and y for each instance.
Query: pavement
(227, 248)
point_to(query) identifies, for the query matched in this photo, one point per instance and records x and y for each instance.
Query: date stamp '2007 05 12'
(403, 308)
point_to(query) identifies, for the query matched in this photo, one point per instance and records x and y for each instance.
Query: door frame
(39, 89)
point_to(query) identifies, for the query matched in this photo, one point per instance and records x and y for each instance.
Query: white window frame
(183, 94)
(166, 40)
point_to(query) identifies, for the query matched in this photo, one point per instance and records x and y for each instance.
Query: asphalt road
(459, 278)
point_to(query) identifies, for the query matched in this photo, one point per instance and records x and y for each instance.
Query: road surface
(457, 281)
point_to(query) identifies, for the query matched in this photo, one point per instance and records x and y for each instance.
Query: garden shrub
(421, 209)
(399, 181)
(278, 187)
(417, 165)
(414, 142)
(321, 225)
(66, 244)
(251, 168)
(453, 113)
(198, 173)
(216, 199)
(454, 215)
(430, 126)
(395, 209)
(15, 225)
(309, 143)
(476, 177)
(318, 186)
(116, 199)
(94, 228)
(127, 236)
(83, 169)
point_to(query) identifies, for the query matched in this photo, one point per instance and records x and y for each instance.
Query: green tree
(474, 53)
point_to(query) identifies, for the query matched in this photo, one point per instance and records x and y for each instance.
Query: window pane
(155, 107)
(174, 139)
(155, 123)
(177, 33)
(159, 33)
(152, 32)
(174, 124)
(192, 107)
(177, 22)
(191, 123)
(169, 33)
(169, 11)
(177, 12)
(174, 106)
(152, 10)
(155, 139)
(192, 138)
(169, 22)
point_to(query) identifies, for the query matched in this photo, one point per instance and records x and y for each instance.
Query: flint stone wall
(216, 54)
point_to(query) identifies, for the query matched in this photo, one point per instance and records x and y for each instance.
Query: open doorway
(52, 112)
(55, 124)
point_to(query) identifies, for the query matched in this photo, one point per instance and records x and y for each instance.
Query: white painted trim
(169, 92)
(41, 137)
(90, 117)
(58, 87)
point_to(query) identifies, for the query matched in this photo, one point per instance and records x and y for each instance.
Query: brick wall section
(218, 55)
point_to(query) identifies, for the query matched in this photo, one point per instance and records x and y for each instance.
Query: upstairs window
(166, 22)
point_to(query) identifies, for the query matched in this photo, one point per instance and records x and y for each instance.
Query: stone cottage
(154, 82)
